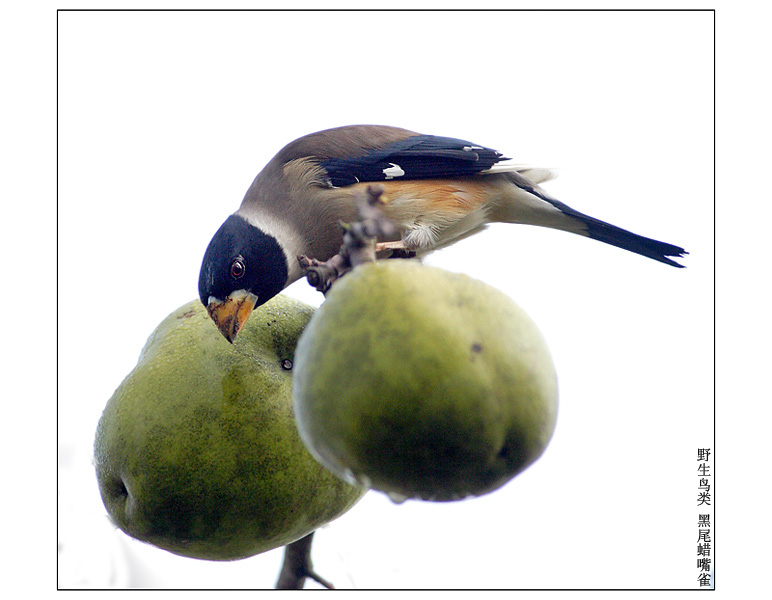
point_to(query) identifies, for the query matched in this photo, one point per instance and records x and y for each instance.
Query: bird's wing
(414, 157)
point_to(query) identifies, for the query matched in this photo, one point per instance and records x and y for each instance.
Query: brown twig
(359, 242)
(297, 566)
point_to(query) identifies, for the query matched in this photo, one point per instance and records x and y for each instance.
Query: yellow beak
(230, 314)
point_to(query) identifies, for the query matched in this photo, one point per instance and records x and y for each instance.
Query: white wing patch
(393, 171)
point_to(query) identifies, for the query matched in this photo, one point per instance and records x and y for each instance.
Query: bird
(438, 191)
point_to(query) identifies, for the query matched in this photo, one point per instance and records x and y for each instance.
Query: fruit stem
(297, 566)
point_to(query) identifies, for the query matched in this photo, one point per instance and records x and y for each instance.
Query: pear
(197, 451)
(423, 383)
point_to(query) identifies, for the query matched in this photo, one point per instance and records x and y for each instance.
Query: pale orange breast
(442, 200)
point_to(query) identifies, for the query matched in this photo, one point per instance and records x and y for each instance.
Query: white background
(165, 118)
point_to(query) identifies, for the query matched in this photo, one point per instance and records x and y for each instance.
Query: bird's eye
(238, 268)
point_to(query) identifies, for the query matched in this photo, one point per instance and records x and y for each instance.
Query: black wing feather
(416, 157)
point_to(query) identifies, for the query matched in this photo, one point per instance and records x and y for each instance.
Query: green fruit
(423, 383)
(197, 451)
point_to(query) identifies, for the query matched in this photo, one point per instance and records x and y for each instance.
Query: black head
(242, 257)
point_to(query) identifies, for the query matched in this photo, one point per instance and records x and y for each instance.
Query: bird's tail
(621, 238)
(527, 203)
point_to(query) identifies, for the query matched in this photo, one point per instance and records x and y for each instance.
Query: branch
(359, 242)
(359, 246)
(297, 566)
